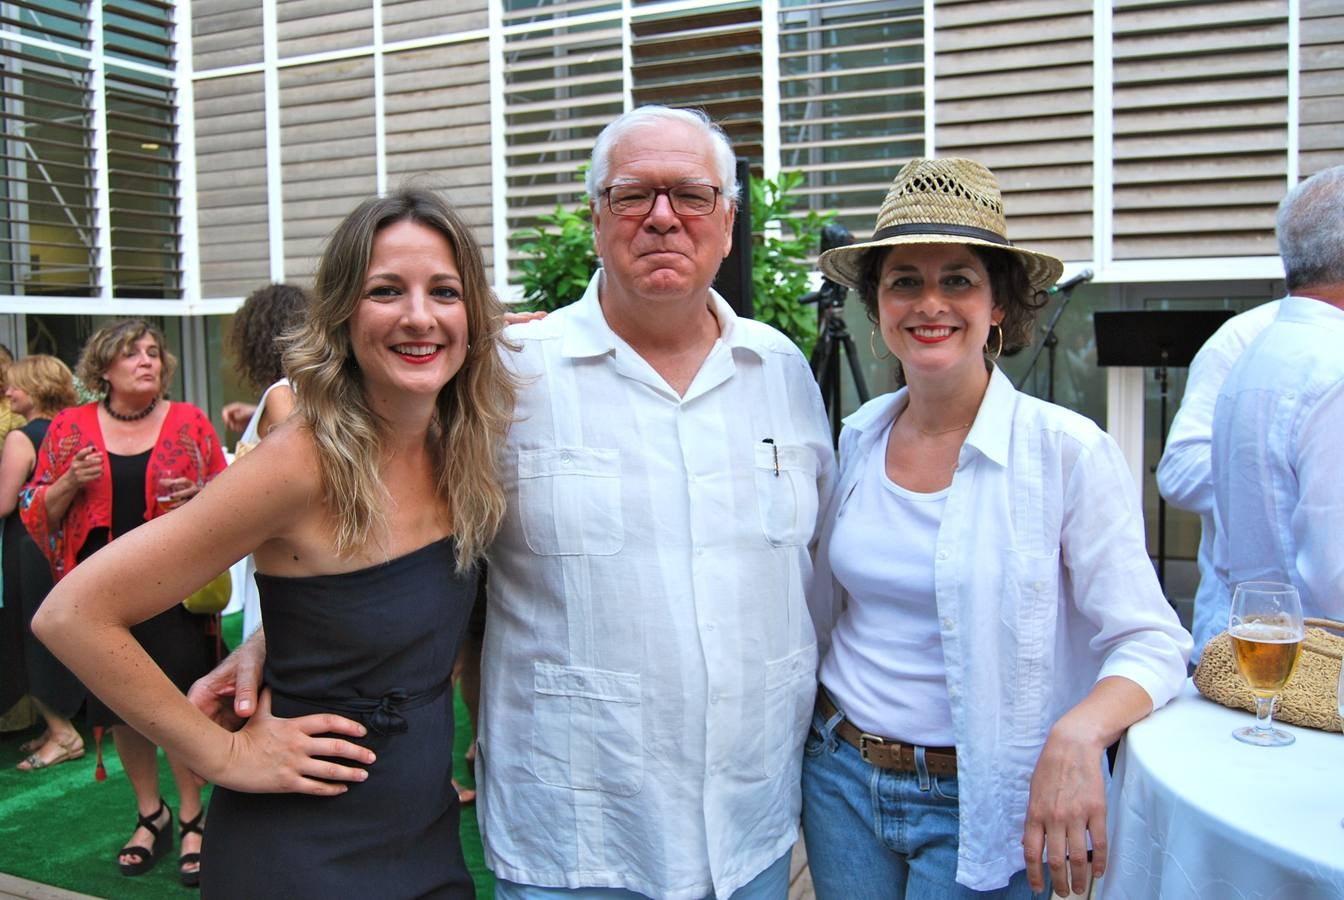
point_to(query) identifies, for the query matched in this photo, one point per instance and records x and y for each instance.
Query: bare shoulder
(16, 438)
(285, 463)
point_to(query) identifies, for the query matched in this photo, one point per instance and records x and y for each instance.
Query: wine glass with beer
(1266, 629)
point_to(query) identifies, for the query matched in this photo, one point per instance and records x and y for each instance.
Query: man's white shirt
(649, 659)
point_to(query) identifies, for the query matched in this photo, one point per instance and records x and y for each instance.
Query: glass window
(50, 237)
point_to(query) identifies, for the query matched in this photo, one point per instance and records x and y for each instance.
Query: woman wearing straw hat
(976, 666)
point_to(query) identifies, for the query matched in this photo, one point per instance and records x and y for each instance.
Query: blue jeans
(772, 884)
(875, 833)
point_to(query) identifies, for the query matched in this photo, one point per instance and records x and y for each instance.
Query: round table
(1195, 813)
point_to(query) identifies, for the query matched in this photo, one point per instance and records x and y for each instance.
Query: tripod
(833, 341)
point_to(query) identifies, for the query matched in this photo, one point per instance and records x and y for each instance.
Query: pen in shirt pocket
(775, 450)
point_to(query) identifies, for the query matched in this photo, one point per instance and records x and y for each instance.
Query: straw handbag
(1309, 698)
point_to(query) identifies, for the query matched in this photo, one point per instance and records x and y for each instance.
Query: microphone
(1067, 286)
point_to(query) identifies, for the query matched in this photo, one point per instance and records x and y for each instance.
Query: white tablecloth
(1195, 813)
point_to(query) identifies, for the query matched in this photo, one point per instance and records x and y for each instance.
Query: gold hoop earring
(872, 345)
(998, 349)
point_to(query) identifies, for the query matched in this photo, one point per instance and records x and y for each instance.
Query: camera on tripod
(830, 294)
(833, 338)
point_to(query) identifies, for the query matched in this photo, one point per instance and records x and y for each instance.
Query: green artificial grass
(60, 827)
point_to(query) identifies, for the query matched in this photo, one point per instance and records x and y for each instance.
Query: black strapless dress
(376, 645)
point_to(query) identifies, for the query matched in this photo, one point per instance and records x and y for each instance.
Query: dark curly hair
(266, 315)
(1008, 285)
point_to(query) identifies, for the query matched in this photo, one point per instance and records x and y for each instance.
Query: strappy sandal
(190, 877)
(163, 842)
(29, 747)
(72, 749)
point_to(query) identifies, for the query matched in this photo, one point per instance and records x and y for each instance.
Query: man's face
(662, 255)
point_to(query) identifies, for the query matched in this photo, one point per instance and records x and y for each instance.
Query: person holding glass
(38, 387)
(367, 511)
(103, 470)
(988, 618)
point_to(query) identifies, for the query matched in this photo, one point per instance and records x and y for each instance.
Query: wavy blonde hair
(473, 411)
(46, 380)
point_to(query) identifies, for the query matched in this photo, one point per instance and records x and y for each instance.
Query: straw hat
(941, 201)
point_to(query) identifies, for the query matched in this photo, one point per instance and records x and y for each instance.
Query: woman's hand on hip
(280, 756)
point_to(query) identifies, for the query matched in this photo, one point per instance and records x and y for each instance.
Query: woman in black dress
(103, 470)
(37, 387)
(366, 512)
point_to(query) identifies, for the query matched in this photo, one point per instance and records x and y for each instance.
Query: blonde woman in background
(38, 388)
(13, 681)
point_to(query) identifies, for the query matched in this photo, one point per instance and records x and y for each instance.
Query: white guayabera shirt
(649, 660)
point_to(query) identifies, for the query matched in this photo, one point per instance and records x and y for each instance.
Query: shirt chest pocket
(570, 501)
(786, 493)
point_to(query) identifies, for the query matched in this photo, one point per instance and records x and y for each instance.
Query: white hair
(725, 160)
(1310, 229)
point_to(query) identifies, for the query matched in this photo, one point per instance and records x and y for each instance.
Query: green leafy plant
(782, 240)
(558, 257)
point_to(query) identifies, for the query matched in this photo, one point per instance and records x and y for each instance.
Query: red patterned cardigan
(187, 446)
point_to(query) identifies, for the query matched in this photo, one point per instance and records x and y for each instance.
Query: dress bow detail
(385, 718)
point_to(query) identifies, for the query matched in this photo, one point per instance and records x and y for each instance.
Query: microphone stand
(1050, 342)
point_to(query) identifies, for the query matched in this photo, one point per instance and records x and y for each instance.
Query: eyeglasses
(638, 199)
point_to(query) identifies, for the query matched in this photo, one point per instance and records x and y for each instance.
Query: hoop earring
(998, 349)
(872, 345)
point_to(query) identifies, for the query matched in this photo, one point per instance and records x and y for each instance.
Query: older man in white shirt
(649, 660)
(1280, 416)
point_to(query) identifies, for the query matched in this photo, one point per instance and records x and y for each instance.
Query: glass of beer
(1266, 630)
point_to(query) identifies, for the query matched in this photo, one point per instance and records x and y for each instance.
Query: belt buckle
(865, 739)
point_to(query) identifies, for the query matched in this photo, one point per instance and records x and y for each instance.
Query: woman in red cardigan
(104, 468)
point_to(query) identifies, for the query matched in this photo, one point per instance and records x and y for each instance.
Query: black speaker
(734, 279)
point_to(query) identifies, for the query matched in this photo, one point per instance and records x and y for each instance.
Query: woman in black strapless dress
(367, 513)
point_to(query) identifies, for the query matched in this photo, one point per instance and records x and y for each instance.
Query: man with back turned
(1277, 425)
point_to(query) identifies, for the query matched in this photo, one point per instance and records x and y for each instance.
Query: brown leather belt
(888, 754)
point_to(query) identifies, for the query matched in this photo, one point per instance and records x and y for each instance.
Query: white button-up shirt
(1276, 459)
(1043, 586)
(1185, 474)
(649, 660)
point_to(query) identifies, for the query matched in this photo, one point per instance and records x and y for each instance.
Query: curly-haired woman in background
(259, 328)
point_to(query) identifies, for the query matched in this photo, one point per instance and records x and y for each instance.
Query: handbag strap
(1324, 648)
